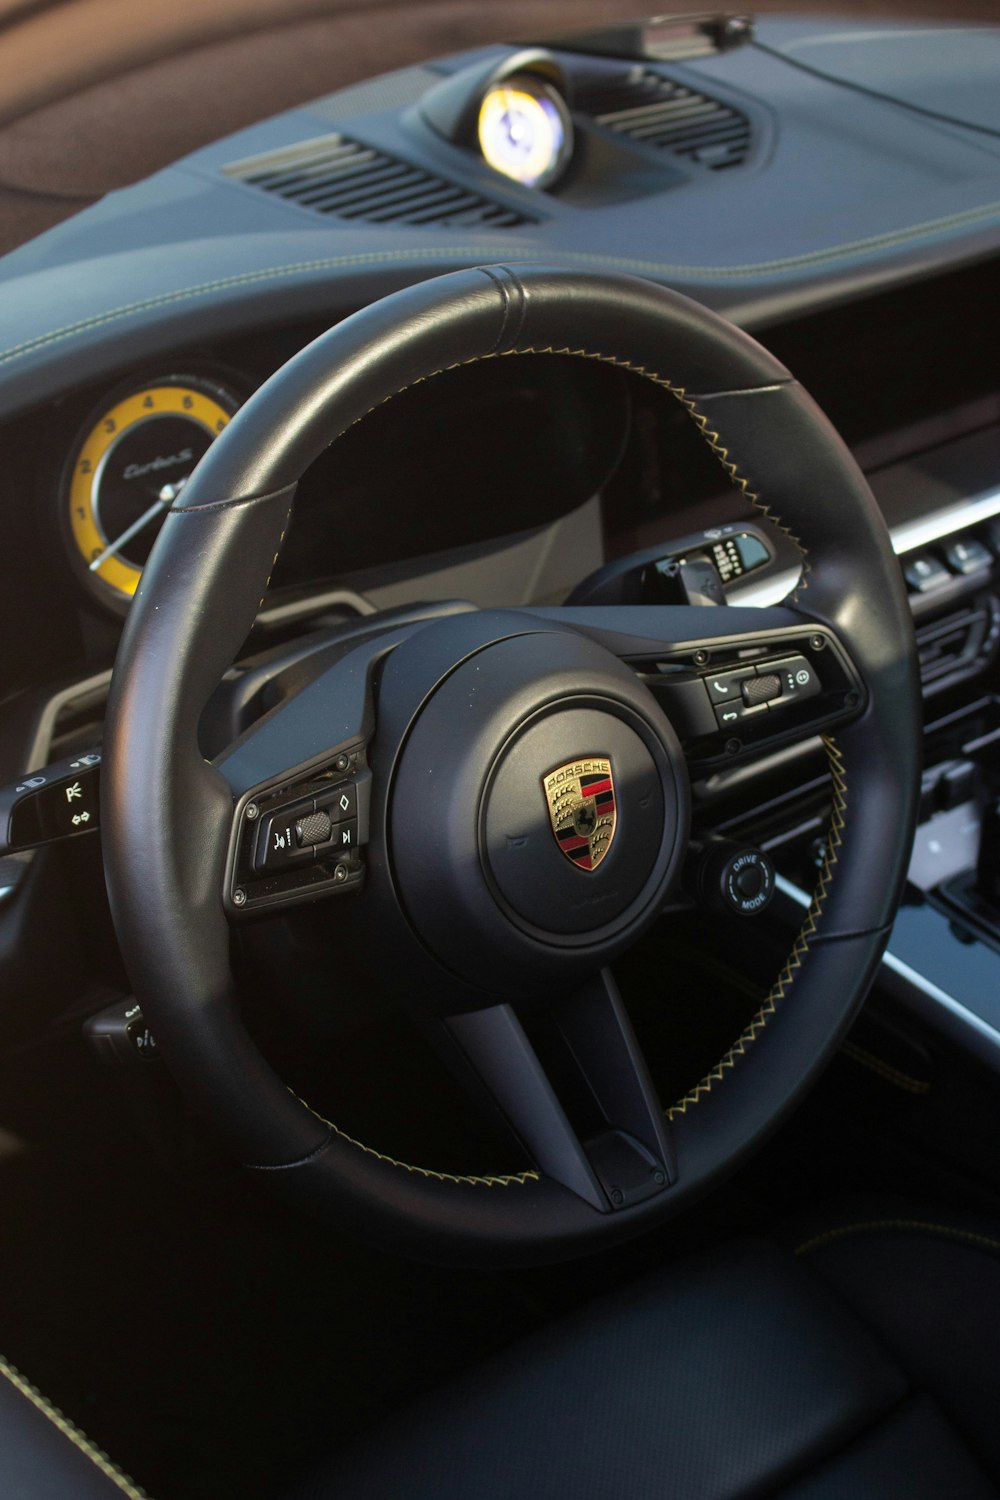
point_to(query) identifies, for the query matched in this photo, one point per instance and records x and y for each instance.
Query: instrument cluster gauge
(525, 130)
(126, 468)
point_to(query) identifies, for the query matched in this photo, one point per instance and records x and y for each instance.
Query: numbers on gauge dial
(129, 466)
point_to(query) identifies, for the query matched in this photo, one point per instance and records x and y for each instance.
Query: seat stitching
(907, 1226)
(800, 948)
(99, 1459)
(875, 1064)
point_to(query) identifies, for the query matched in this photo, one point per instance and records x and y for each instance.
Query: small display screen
(525, 131)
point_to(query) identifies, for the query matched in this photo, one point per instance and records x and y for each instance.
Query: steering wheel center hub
(572, 819)
(539, 811)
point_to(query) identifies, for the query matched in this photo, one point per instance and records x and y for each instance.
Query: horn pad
(538, 813)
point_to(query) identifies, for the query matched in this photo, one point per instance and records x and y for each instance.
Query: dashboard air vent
(345, 179)
(655, 111)
(958, 641)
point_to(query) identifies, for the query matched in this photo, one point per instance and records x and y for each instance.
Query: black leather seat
(866, 1367)
(869, 1367)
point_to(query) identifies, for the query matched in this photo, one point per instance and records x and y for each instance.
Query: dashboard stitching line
(800, 947)
(983, 212)
(99, 1459)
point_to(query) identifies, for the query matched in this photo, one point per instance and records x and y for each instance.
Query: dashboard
(845, 211)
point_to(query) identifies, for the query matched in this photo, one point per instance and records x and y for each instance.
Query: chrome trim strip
(905, 538)
(926, 529)
(923, 996)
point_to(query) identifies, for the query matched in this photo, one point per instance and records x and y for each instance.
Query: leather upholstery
(164, 853)
(867, 1368)
(740, 1374)
(44, 1457)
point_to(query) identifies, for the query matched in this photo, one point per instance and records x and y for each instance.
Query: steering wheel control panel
(726, 700)
(300, 838)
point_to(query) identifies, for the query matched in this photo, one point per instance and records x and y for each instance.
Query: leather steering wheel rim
(166, 816)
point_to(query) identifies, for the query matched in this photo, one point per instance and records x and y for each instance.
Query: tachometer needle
(165, 498)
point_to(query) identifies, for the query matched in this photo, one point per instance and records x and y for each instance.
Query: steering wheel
(503, 795)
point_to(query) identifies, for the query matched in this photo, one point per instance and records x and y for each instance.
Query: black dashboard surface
(852, 234)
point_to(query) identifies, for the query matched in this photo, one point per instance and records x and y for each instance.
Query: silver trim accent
(905, 538)
(37, 756)
(924, 997)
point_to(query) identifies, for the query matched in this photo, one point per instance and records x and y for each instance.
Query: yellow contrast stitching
(274, 560)
(912, 1226)
(510, 1179)
(700, 418)
(79, 1440)
(799, 949)
(801, 946)
(896, 1076)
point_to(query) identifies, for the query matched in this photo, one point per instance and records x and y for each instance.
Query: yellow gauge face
(525, 131)
(129, 467)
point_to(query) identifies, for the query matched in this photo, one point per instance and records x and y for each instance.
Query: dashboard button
(799, 679)
(967, 555)
(343, 840)
(340, 803)
(923, 573)
(725, 688)
(728, 715)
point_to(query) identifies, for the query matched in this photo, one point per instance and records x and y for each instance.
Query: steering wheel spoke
(734, 682)
(589, 1116)
(300, 782)
(529, 782)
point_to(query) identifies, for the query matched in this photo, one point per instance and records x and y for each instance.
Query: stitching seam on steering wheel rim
(69, 1430)
(800, 947)
(461, 1179)
(680, 394)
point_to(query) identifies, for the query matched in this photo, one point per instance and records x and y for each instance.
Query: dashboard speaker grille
(656, 112)
(341, 177)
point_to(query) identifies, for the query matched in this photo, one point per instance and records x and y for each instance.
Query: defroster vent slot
(342, 178)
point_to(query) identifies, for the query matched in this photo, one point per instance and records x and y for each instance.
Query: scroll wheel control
(761, 689)
(315, 828)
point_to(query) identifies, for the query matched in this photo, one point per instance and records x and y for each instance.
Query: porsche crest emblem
(581, 803)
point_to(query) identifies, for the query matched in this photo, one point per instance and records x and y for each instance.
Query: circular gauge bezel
(547, 98)
(206, 400)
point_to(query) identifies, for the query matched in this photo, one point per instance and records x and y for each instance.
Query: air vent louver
(343, 178)
(657, 112)
(959, 641)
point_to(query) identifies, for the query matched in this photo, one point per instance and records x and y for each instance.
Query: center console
(943, 958)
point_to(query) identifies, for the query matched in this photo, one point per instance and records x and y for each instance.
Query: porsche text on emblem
(581, 802)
